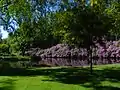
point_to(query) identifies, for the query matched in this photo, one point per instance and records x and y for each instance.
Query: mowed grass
(105, 77)
(34, 83)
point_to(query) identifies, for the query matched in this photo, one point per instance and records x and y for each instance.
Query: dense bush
(109, 49)
(103, 49)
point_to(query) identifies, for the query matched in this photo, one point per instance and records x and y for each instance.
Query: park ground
(105, 77)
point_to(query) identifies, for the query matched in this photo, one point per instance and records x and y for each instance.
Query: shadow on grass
(7, 84)
(70, 75)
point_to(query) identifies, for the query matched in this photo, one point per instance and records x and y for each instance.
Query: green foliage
(32, 34)
(4, 48)
(114, 12)
(79, 25)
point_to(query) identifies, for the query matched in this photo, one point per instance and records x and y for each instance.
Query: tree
(81, 24)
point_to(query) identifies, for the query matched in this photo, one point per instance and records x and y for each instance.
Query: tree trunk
(91, 64)
(90, 59)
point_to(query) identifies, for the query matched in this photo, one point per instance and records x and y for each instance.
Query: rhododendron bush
(109, 49)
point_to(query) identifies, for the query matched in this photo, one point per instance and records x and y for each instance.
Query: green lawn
(105, 77)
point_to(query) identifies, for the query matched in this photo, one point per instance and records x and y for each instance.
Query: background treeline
(44, 23)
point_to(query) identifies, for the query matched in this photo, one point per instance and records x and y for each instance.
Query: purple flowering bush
(111, 49)
(107, 49)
